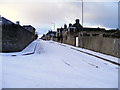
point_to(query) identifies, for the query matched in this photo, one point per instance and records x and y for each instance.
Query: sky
(43, 15)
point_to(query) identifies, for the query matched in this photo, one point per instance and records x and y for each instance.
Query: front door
(76, 42)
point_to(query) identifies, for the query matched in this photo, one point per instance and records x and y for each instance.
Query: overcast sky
(42, 15)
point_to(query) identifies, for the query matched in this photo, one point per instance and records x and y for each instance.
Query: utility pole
(119, 15)
(82, 12)
(82, 26)
(53, 26)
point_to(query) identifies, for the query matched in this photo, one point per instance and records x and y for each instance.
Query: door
(76, 41)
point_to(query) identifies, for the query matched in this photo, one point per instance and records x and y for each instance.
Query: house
(14, 36)
(29, 28)
(51, 35)
(43, 37)
(96, 39)
(77, 25)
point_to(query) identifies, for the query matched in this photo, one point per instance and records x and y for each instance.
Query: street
(56, 65)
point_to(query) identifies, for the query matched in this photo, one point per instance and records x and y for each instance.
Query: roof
(51, 32)
(27, 26)
(93, 29)
(4, 20)
(77, 25)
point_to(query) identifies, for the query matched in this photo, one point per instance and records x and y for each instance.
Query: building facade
(51, 35)
(96, 39)
(14, 36)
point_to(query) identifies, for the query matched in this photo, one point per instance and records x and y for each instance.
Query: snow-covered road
(55, 65)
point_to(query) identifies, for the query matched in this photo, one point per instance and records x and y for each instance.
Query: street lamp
(54, 26)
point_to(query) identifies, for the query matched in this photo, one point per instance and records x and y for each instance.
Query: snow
(111, 58)
(29, 49)
(55, 65)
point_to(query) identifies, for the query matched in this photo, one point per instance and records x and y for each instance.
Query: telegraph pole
(53, 26)
(82, 12)
(82, 26)
(119, 15)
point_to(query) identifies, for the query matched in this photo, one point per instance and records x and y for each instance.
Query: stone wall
(0, 33)
(14, 37)
(107, 42)
(24, 38)
(106, 45)
(70, 38)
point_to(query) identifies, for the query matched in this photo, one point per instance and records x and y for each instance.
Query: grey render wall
(70, 38)
(14, 37)
(0, 33)
(94, 40)
(106, 45)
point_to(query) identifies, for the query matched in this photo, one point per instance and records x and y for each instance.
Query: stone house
(30, 29)
(96, 39)
(51, 35)
(14, 36)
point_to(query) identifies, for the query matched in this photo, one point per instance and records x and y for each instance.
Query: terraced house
(96, 39)
(14, 36)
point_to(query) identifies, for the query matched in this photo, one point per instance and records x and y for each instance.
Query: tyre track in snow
(93, 55)
(69, 60)
(57, 67)
(68, 63)
(96, 56)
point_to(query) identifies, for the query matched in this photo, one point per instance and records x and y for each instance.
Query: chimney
(70, 25)
(77, 21)
(17, 22)
(65, 26)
